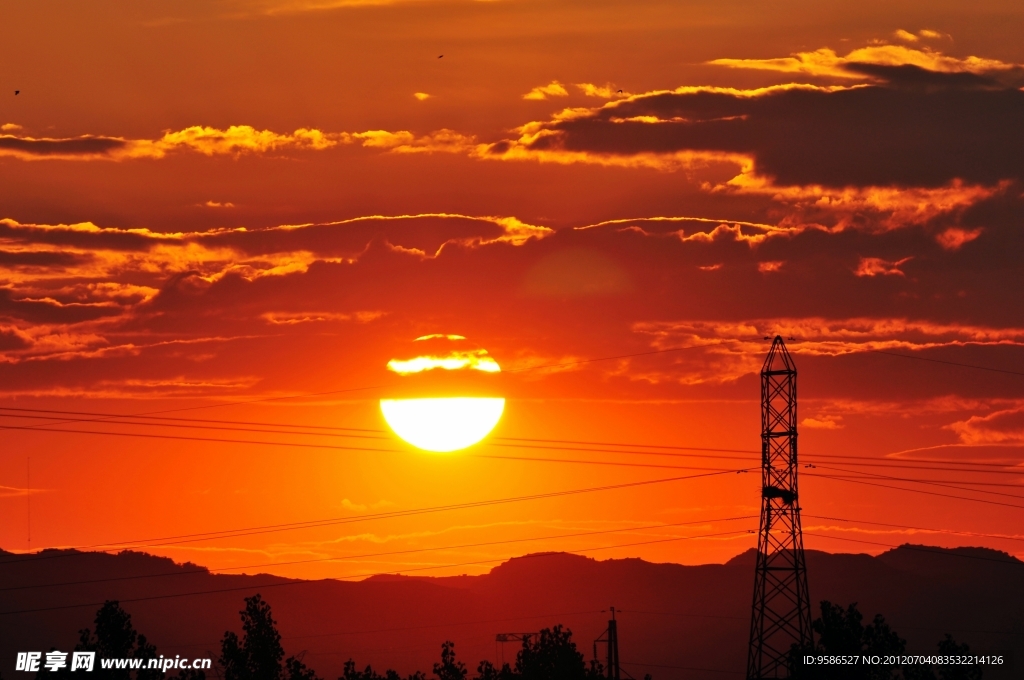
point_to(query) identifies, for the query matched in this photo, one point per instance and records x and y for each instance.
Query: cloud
(68, 290)
(216, 204)
(831, 337)
(542, 92)
(912, 127)
(876, 266)
(822, 423)
(209, 141)
(825, 62)
(1004, 427)
(403, 141)
(293, 318)
(421, 96)
(608, 91)
(730, 350)
(236, 140)
(954, 237)
(86, 147)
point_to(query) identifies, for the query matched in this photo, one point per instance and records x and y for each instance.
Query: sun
(443, 424)
(448, 399)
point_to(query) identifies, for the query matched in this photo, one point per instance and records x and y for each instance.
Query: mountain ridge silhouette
(671, 615)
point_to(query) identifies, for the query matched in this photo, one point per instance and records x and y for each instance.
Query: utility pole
(781, 613)
(611, 637)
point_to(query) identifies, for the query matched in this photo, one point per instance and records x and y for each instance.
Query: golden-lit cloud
(925, 33)
(209, 141)
(831, 337)
(731, 350)
(542, 92)
(64, 289)
(421, 96)
(457, 359)
(236, 140)
(844, 208)
(294, 318)
(403, 141)
(825, 62)
(608, 91)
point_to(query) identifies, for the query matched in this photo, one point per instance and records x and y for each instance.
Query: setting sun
(442, 424)
(444, 395)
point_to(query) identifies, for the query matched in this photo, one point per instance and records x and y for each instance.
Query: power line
(377, 387)
(943, 361)
(145, 435)
(904, 526)
(848, 460)
(919, 548)
(369, 433)
(50, 427)
(379, 554)
(919, 481)
(598, 462)
(921, 491)
(270, 528)
(860, 475)
(354, 576)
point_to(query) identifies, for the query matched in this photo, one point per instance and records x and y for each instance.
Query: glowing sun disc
(442, 424)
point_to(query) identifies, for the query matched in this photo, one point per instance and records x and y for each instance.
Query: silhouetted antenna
(781, 613)
(509, 637)
(610, 637)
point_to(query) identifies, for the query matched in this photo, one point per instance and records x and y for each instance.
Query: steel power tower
(781, 615)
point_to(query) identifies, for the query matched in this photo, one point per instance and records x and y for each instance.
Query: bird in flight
(440, 56)
(620, 91)
(17, 92)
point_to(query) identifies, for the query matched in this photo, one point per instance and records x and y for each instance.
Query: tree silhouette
(485, 670)
(947, 646)
(350, 673)
(258, 654)
(552, 655)
(449, 668)
(840, 632)
(114, 637)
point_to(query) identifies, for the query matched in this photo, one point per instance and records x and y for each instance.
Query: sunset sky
(241, 210)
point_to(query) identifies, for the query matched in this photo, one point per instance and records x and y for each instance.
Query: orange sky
(204, 203)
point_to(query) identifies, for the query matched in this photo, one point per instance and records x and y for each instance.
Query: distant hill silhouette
(673, 617)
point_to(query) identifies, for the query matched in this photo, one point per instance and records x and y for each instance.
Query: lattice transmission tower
(781, 614)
